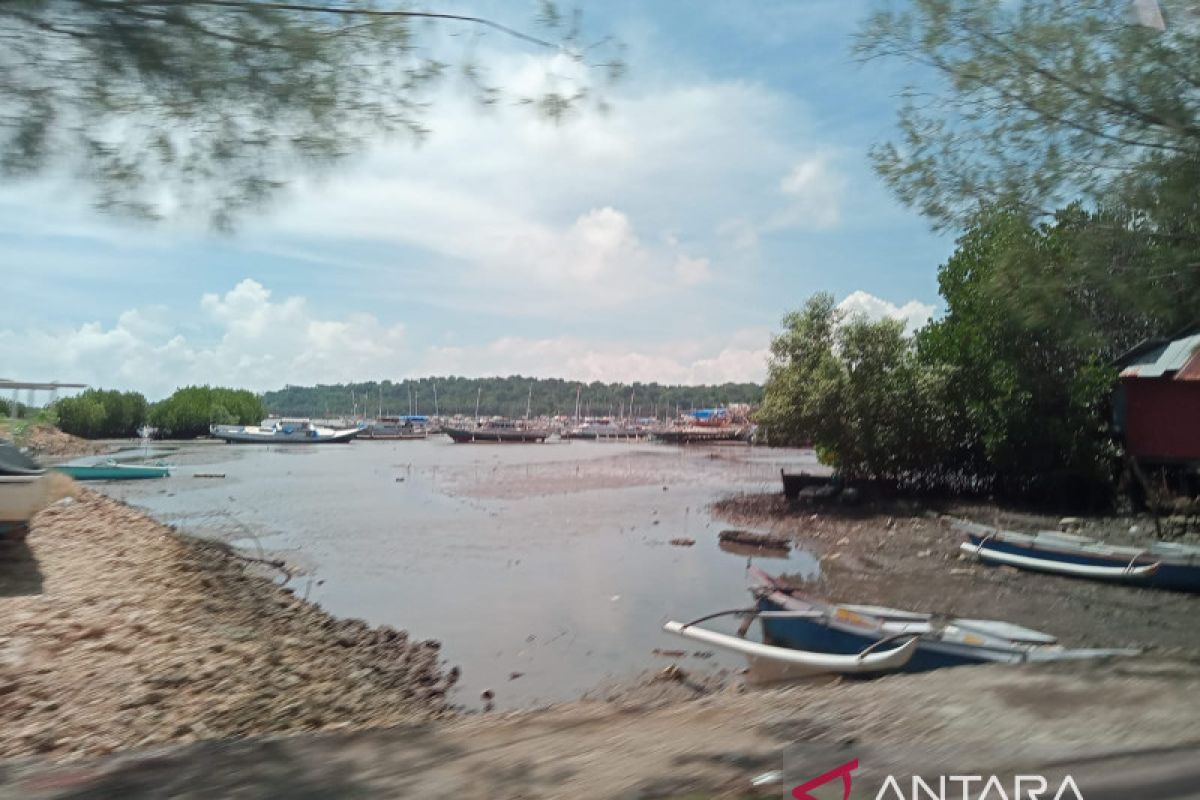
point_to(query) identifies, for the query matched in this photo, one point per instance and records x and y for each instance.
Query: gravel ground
(118, 633)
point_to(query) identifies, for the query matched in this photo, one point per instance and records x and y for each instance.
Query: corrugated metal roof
(1181, 357)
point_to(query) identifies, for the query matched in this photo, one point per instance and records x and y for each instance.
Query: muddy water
(551, 560)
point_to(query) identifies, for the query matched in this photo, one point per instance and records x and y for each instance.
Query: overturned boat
(1159, 565)
(861, 639)
(283, 431)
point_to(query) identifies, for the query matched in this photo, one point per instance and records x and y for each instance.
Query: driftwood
(755, 539)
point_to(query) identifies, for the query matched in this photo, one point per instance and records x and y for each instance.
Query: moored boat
(1159, 565)
(604, 430)
(283, 431)
(24, 489)
(497, 431)
(110, 470)
(790, 619)
(708, 426)
(392, 428)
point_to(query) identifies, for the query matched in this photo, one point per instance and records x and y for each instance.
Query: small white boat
(283, 431)
(24, 489)
(770, 663)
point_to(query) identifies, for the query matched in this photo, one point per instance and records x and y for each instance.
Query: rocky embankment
(119, 633)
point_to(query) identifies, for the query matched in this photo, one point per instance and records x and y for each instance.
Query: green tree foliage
(1032, 368)
(502, 396)
(191, 410)
(1008, 391)
(99, 413)
(855, 389)
(1041, 101)
(212, 104)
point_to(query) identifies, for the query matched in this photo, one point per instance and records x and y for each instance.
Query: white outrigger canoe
(770, 663)
(283, 431)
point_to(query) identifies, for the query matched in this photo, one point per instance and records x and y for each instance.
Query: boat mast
(578, 389)
(435, 405)
(478, 392)
(381, 399)
(529, 401)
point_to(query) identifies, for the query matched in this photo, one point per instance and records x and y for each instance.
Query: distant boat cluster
(711, 425)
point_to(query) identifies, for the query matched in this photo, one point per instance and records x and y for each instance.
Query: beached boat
(771, 663)
(497, 431)
(114, 471)
(392, 428)
(1161, 565)
(707, 426)
(283, 431)
(790, 619)
(24, 489)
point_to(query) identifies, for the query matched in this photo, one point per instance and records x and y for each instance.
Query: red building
(1158, 404)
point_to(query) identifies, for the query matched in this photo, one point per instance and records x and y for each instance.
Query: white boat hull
(781, 663)
(22, 496)
(1129, 573)
(257, 435)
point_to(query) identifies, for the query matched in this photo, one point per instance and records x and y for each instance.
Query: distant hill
(501, 396)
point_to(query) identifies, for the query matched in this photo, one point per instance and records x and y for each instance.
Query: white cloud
(741, 356)
(815, 191)
(251, 341)
(914, 313)
(692, 271)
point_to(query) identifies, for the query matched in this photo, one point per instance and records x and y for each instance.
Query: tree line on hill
(509, 396)
(109, 414)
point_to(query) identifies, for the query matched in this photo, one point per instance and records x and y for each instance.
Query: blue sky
(660, 241)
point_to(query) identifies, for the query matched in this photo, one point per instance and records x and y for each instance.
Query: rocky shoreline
(119, 633)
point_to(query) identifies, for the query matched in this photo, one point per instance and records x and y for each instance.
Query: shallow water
(547, 560)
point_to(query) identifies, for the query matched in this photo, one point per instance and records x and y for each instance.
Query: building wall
(1162, 418)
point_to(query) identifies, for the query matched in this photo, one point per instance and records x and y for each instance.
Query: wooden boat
(24, 490)
(796, 482)
(769, 541)
(791, 620)
(113, 471)
(497, 431)
(769, 662)
(395, 428)
(283, 431)
(604, 430)
(1160, 565)
(704, 435)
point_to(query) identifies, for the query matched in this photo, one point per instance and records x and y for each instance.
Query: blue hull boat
(1159, 565)
(791, 620)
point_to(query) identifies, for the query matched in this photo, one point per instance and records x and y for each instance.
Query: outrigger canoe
(112, 471)
(806, 636)
(1160, 565)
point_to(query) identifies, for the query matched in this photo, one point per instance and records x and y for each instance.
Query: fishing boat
(1160, 565)
(497, 431)
(391, 428)
(24, 490)
(707, 426)
(792, 621)
(283, 431)
(110, 470)
(604, 430)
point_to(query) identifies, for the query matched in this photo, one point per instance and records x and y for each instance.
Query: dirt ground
(138, 663)
(1123, 729)
(908, 557)
(47, 441)
(117, 633)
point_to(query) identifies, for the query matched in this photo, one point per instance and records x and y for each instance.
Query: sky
(660, 240)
